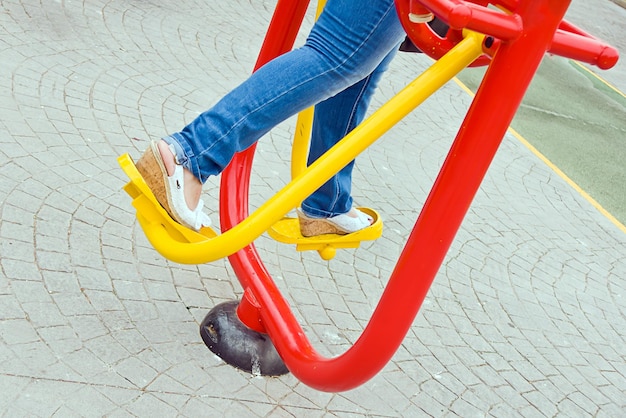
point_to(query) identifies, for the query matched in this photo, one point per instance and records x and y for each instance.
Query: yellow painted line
(553, 167)
(568, 180)
(597, 77)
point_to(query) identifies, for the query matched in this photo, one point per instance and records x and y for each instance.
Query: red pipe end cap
(608, 58)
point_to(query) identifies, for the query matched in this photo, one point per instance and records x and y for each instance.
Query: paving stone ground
(527, 316)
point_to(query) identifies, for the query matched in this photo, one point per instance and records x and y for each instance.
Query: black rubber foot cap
(238, 345)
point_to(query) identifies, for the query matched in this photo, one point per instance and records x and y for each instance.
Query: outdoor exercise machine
(260, 333)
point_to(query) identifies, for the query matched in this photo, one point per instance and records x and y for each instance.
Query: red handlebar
(503, 24)
(572, 42)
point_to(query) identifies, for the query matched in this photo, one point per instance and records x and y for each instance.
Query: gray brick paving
(527, 316)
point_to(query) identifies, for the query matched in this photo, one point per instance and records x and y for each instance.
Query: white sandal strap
(350, 224)
(194, 219)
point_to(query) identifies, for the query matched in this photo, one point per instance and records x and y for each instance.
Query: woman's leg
(348, 42)
(335, 118)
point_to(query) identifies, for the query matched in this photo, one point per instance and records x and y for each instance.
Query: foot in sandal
(343, 224)
(175, 187)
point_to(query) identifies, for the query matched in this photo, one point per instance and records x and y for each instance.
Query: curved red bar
(505, 83)
(235, 180)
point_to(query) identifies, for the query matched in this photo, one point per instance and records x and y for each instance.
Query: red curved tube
(503, 88)
(235, 181)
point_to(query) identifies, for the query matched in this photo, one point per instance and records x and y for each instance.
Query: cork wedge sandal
(341, 224)
(169, 190)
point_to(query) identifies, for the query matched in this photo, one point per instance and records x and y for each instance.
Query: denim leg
(335, 118)
(349, 40)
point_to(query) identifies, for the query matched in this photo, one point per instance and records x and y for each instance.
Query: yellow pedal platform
(151, 214)
(287, 231)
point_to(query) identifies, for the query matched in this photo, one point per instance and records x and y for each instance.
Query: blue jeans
(335, 118)
(347, 49)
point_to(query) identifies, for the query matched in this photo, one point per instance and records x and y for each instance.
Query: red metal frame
(531, 28)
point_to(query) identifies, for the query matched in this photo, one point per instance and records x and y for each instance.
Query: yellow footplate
(151, 214)
(287, 231)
